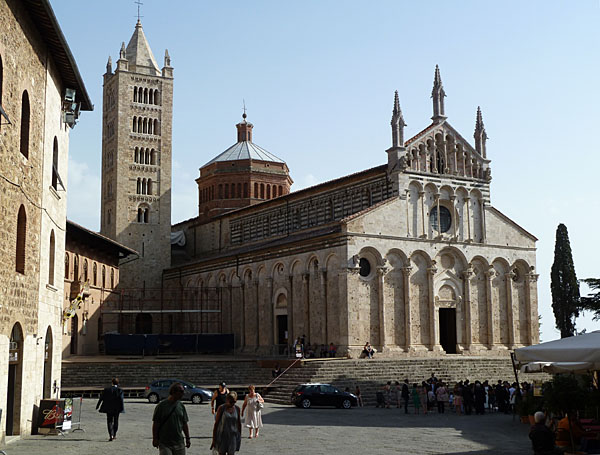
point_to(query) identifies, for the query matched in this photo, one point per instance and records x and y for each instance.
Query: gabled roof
(446, 125)
(45, 21)
(245, 150)
(138, 51)
(76, 231)
(510, 221)
(368, 210)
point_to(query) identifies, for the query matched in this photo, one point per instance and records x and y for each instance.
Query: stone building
(410, 255)
(41, 93)
(91, 272)
(137, 113)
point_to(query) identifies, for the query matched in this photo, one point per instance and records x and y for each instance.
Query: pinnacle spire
(480, 135)
(109, 65)
(138, 52)
(438, 94)
(397, 123)
(122, 51)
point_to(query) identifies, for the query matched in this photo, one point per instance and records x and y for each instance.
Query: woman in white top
(253, 417)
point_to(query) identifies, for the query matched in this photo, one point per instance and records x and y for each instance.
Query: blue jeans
(171, 450)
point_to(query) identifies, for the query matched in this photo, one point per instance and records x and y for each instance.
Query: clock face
(445, 221)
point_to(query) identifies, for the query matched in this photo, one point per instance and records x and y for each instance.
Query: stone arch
(414, 208)
(501, 303)
(419, 298)
(477, 215)
(278, 270)
(519, 286)
(479, 307)
(461, 212)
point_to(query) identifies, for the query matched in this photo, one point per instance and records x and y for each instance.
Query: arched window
(146, 95)
(135, 94)
(140, 215)
(112, 278)
(140, 94)
(255, 190)
(147, 156)
(135, 155)
(246, 190)
(76, 268)
(138, 189)
(21, 240)
(140, 125)
(144, 186)
(95, 274)
(239, 190)
(85, 270)
(67, 266)
(51, 259)
(262, 190)
(103, 276)
(146, 214)
(150, 126)
(156, 130)
(156, 97)
(280, 190)
(150, 187)
(25, 114)
(151, 97)
(144, 126)
(153, 157)
(268, 191)
(55, 164)
(134, 127)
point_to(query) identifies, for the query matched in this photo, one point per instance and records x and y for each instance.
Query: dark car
(159, 390)
(307, 395)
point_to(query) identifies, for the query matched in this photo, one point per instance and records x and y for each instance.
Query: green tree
(592, 301)
(563, 284)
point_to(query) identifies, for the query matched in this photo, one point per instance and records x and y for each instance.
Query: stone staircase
(371, 375)
(138, 374)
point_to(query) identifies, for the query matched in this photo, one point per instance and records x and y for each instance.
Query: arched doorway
(143, 323)
(281, 322)
(15, 378)
(446, 301)
(47, 390)
(74, 334)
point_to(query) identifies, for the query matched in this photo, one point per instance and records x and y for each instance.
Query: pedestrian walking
(387, 394)
(416, 397)
(227, 430)
(170, 424)
(111, 403)
(254, 403)
(358, 396)
(441, 395)
(218, 397)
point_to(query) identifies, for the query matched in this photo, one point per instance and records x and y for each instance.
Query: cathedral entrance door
(282, 329)
(448, 329)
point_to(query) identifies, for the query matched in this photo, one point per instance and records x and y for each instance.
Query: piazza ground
(289, 430)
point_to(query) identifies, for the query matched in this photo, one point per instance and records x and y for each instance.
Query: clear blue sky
(318, 79)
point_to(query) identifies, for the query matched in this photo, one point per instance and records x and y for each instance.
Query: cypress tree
(564, 285)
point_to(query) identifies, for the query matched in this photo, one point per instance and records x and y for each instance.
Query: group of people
(170, 431)
(309, 351)
(464, 397)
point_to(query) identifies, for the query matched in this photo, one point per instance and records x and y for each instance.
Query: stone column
(306, 289)
(291, 335)
(446, 169)
(483, 226)
(510, 317)
(407, 193)
(243, 318)
(343, 316)
(454, 220)
(439, 218)
(407, 329)
(467, 204)
(433, 316)
(489, 275)
(381, 271)
(531, 304)
(464, 163)
(422, 199)
(257, 317)
(269, 313)
(455, 152)
(323, 279)
(467, 274)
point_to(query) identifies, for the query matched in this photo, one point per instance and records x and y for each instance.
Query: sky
(318, 79)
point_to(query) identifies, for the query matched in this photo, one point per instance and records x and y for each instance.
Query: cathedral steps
(371, 375)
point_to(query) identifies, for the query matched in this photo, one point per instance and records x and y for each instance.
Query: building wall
(27, 301)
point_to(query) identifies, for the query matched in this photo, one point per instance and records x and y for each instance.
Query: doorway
(143, 323)
(74, 333)
(448, 330)
(15, 365)
(47, 390)
(282, 329)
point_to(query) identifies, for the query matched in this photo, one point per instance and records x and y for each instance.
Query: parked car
(307, 395)
(159, 390)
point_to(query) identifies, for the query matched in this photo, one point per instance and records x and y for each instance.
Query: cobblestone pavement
(289, 430)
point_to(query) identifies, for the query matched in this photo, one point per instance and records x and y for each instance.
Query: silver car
(159, 390)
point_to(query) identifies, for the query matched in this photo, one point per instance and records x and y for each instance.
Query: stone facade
(36, 68)
(136, 159)
(410, 256)
(91, 267)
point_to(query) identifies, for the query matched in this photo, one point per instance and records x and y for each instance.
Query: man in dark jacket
(111, 403)
(479, 393)
(542, 437)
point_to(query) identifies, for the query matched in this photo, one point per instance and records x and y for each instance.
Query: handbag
(260, 406)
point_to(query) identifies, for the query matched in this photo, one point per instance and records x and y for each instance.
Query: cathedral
(410, 256)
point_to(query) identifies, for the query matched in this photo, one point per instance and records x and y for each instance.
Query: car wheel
(196, 399)
(153, 398)
(346, 404)
(306, 403)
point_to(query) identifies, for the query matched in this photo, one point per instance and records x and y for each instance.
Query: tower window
(55, 164)
(365, 267)
(51, 259)
(67, 266)
(94, 274)
(85, 270)
(25, 114)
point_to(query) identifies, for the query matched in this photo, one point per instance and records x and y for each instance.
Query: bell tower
(137, 117)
